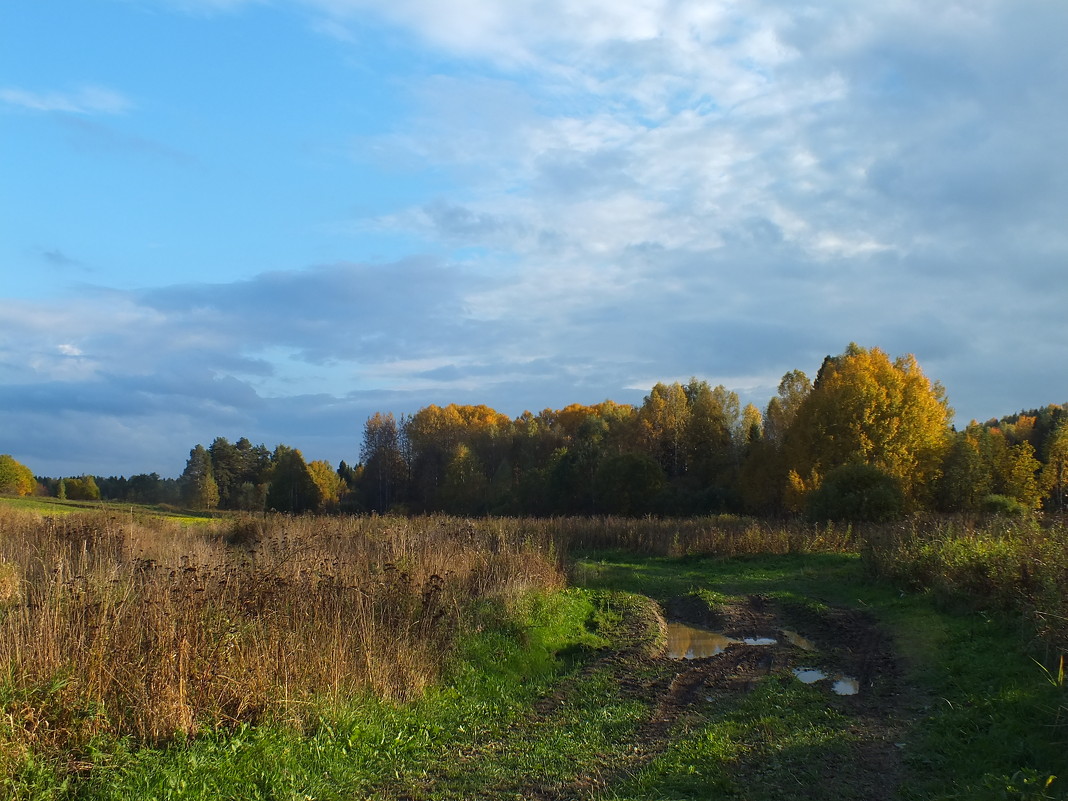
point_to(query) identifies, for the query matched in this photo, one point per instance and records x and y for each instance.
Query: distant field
(47, 505)
(55, 506)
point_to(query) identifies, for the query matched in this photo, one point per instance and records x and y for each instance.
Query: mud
(845, 644)
(681, 694)
(841, 641)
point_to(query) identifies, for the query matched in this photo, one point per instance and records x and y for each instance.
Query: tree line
(868, 439)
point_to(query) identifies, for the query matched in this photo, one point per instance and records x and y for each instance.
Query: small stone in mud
(797, 640)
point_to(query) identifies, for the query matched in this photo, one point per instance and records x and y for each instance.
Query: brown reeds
(150, 628)
(718, 535)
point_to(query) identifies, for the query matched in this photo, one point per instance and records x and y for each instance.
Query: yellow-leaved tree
(15, 477)
(327, 480)
(866, 408)
(1055, 471)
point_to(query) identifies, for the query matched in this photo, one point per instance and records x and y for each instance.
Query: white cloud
(85, 100)
(640, 191)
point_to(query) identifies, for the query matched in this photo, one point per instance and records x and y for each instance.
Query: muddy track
(680, 693)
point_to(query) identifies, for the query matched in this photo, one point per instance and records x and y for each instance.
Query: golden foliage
(15, 477)
(864, 407)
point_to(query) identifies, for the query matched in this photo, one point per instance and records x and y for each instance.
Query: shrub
(1003, 505)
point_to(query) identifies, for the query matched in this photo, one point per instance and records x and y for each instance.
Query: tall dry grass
(718, 535)
(149, 628)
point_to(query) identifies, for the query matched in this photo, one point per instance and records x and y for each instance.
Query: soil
(679, 692)
(848, 642)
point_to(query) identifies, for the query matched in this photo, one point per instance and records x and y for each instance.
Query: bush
(856, 493)
(1003, 505)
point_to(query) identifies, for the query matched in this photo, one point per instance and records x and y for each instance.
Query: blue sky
(271, 218)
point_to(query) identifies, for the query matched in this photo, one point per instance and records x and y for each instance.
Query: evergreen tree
(143, 488)
(292, 488)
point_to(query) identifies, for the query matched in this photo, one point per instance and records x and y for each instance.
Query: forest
(869, 439)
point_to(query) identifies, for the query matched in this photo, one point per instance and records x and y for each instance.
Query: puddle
(760, 641)
(797, 640)
(846, 686)
(688, 642)
(843, 685)
(809, 675)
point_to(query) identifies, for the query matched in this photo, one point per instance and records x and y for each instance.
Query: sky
(273, 218)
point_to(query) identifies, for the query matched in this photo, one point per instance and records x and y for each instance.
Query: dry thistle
(10, 585)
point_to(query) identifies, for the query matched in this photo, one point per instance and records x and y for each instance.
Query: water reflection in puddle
(687, 642)
(846, 686)
(809, 675)
(759, 641)
(690, 642)
(843, 685)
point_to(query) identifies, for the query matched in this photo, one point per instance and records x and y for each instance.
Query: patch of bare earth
(841, 641)
(682, 691)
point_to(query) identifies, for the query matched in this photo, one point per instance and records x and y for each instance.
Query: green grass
(767, 744)
(56, 506)
(32, 503)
